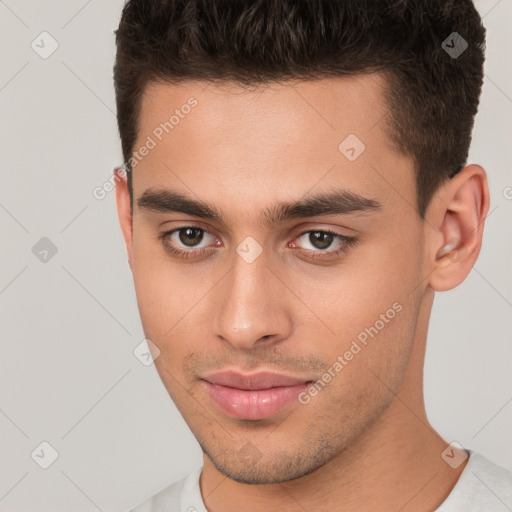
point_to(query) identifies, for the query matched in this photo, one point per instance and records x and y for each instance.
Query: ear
(458, 214)
(124, 209)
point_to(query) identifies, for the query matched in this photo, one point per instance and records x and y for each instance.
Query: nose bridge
(250, 304)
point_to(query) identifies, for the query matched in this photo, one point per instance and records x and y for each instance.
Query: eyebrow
(337, 202)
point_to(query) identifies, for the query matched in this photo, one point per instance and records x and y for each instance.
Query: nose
(251, 306)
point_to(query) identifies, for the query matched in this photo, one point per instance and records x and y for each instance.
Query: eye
(320, 240)
(178, 240)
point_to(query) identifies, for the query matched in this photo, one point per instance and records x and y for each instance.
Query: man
(295, 191)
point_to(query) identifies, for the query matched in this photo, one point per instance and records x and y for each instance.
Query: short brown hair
(432, 96)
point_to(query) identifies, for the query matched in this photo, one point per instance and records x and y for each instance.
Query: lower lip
(253, 404)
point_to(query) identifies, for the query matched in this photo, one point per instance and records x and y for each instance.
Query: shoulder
(482, 486)
(169, 498)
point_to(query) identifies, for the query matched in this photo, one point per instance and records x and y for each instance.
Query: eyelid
(322, 230)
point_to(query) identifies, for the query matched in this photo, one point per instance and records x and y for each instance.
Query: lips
(253, 397)
(257, 381)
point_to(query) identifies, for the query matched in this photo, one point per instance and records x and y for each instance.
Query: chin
(248, 465)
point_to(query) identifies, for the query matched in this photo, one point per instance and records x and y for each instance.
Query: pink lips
(253, 397)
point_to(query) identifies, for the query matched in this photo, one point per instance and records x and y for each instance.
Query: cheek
(367, 363)
(165, 304)
(158, 291)
(387, 275)
(171, 300)
(366, 308)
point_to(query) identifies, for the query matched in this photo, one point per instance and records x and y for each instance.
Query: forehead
(290, 109)
(270, 142)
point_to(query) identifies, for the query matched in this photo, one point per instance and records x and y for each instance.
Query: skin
(364, 441)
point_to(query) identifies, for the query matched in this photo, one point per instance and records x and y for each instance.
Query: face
(231, 275)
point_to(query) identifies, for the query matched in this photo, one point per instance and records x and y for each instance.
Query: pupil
(320, 239)
(191, 235)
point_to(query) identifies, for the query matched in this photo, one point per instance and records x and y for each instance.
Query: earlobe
(124, 209)
(462, 208)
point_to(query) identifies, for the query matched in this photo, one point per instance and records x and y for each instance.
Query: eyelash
(347, 243)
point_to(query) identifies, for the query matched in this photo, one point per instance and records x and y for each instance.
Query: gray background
(70, 324)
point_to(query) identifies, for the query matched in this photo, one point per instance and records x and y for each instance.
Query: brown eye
(188, 241)
(190, 236)
(321, 239)
(322, 244)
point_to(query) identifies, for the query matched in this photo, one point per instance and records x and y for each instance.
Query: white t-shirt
(483, 486)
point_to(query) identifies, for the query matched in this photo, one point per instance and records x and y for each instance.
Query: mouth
(253, 397)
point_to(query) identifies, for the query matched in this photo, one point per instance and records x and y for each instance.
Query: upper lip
(255, 381)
